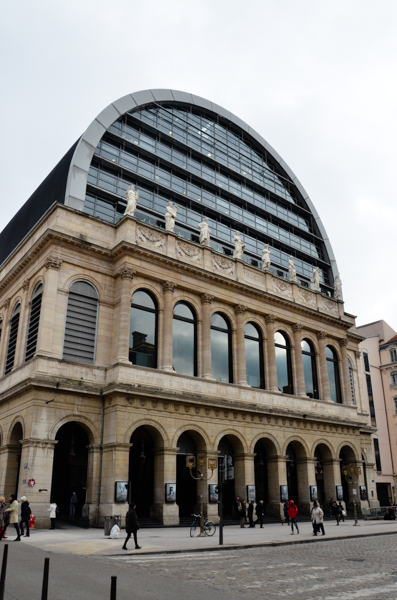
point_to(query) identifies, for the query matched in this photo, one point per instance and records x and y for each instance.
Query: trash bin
(107, 522)
(116, 520)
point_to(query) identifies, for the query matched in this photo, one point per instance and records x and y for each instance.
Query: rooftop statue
(337, 287)
(316, 280)
(204, 232)
(132, 199)
(170, 216)
(291, 270)
(238, 246)
(266, 257)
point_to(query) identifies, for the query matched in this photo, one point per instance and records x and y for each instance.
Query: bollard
(44, 592)
(3, 572)
(113, 588)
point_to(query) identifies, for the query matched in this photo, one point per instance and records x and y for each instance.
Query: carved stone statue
(316, 280)
(266, 257)
(132, 199)
(291, 269)
(238, 246)
(204, 232)
(170, 216)
(337, 287)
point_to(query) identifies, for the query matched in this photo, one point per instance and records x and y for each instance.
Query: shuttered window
(34, 321)
(81, 322)
(12, 340)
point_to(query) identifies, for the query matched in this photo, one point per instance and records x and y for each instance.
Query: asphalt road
(351, 569)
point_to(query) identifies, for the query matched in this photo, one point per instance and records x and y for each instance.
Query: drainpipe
(100, 459)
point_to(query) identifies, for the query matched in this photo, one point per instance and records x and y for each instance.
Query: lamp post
(191, 463)
(352, 473)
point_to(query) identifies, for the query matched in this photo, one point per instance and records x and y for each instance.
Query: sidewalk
(177, 539)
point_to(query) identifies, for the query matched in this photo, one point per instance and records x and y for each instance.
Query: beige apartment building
(135, 335)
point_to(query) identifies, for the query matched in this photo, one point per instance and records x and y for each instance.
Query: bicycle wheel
(209, 528)
(193, 529)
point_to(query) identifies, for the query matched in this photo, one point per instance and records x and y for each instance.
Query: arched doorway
(324, 472)
(292, 474)
(141, 470)
(266, 471)
(319, 470)
(186, 486)
(13, 460)
(347, 456)
(70, 468)
(298, 479)
(226, 468)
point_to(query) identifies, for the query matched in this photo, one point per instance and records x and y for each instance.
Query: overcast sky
(316, 78)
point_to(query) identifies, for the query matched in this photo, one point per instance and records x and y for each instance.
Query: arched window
(184, 340)
(309, 368)
(283, 363)
(34, 321)
(221, 348)
(333, 374)
(143, 330)
(1, 328)
(81, 323)
(12, 340)
(254, 356)
(351, 376)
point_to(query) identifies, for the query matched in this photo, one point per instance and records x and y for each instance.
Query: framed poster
(213, 492)
(313, 493)
(121, 491)
(283, 493)
(170, 492)
(251, 492)
(339, 493)
(363, 492)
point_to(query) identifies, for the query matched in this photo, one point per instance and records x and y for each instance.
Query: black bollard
(113, 588)
(44, 592)
(3, 572)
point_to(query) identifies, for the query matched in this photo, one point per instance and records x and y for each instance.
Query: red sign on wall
(31, 482)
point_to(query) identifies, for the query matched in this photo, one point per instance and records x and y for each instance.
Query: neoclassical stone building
(127, 344)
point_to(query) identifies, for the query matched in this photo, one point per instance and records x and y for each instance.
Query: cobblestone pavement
(351, 569)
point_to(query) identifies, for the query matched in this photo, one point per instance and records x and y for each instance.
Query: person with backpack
(293, 515)
(25, 516)
(131, 526)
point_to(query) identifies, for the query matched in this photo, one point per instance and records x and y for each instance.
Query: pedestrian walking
(250, 511)
(237, 506)
(53, 514)
(335, 512)
(293, 515)
(13, 510)
(2, 522)
(25, 516)
(73, 503)
(260, 511)
(286, 517)
(341, 511)
(317, 519)
(331, 507)
(243, 514)
(131, 526)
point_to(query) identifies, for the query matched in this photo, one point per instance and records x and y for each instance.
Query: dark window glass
(253, 356)
(366, 361)
(34, 321)
(184, 340)
(309, 369)
(81, 323)
(143, 330)
(377, 455)
(283, 363)
(393, 355)
(221, 354)
(1, 327)
(371, 400)
(12, 340)
(333, 375)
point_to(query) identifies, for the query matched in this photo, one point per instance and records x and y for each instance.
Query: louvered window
(1, 327)
(81, 321)
(34, 320)
(12, 341)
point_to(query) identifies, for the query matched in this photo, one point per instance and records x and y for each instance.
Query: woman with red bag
(293, 514)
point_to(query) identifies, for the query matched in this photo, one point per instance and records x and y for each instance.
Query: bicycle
(209, 527)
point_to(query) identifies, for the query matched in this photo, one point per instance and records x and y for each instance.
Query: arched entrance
(141, 470)
(292, 474)
(298, 475)
(13, 460)
(186, 486)
(70, 468)
(226, 467)
(319, 470)
(265, 471)
(347, 456)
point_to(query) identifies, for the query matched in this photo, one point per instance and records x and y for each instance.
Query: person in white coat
(317, 519)
(53, 514)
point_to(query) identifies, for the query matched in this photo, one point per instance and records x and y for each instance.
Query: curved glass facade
(209, 168)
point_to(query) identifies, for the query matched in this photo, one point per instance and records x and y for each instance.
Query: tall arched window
(283, 363)
(81, 323)
(1, 328)
(34, 321)
(143, 330)
(221, 348)
(254, 356)
(309, 368)
(184, 345)
(351, 376)
(12, 340)
(333, 374)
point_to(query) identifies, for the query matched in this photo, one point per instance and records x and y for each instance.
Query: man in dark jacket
(251, 513)
(25, 516)
(131, 526)
(260, 511)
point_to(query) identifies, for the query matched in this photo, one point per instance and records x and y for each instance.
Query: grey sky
(317, 79)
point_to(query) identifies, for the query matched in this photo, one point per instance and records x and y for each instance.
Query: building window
(221, 350)
(81, 323)
(143, 330)
(393, 355)
(184, 340)
(34, 321)
(1, 328)
(283, 363)
(377, 455)
(371, 399)
(395, 405)
(333, 374)
(309, 368)
(393, 379)
(12, 340)
(351, 376)
(366, 361)
(254, 356)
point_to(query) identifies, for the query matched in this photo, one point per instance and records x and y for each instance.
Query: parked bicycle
(209, 527)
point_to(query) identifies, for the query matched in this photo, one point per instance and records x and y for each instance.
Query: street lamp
(352, 473)
(191, 463)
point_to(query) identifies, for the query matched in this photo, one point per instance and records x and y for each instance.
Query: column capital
(343, 342)
(270, 318)
(321, 335)
(358, 354)
(126, 272)
(53, 262)
(25, 284)
(169, 286)
(240, 309)
(297, 327)
(6, 303)
(206, 298)
(36, 443)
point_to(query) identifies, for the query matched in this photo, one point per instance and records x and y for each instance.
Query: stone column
(300, 376)
(126, 274)
(164, 472)
(48, 308)
(91, 500)
(241, 378)
(244, 473)
(325, 394)
(271, 384)
(211, 508)
(276, 476)
(115, 467)
(347, 396)
(332, 478)
(306, 478)
(206, 300)
(168, 289)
